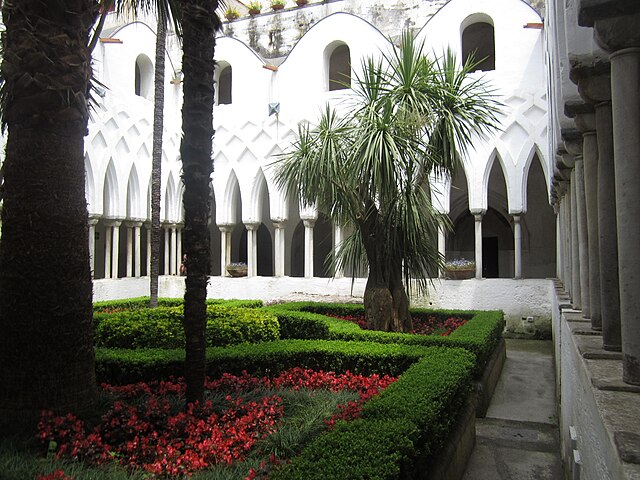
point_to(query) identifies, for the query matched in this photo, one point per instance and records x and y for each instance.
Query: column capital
(477, 213)
(251, 226)
(279, 223)
(516, 217)
(93, 221)
(133, 223)
(592, 75)
(112, 222)
(308, 222)
(589, 11)
(583, 114)
(572, 140)
(617, 32)
(226, 227)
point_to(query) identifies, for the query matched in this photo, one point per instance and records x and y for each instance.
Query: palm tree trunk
(156, 160)
(46, 344)
(199, 25)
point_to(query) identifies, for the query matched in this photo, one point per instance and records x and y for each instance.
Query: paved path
(518, 439)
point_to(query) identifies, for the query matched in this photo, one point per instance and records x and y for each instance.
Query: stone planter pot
(253, 12)
(301, 3)
(460, 274)
(237, 271)
(277, 7)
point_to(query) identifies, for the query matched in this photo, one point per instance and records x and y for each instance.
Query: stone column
(92, 243)
(625, 83)
(108, 236)
(279, 247)
(477, 215)
(252, 248)
(115, 244)
(337, 241)
(576, 296)
(136, 245)
(590, 155)
(616, 28)
(225, 247)
(442, 244)
(167, 249)
(583, 239)
(517, 247)
(308, 247)
(129, 227)
(586, 123)
(566, 201)
(178, 248)
(173, 252)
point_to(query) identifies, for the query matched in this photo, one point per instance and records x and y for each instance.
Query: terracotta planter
(462, 274)
(237, 271)
(302, 3)
(253, 12)
(277, 7)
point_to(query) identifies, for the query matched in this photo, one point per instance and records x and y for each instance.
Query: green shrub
(138, 303)
(120, 366)
(480, 335)
(357, 450)
(162, 327)
(401, 430)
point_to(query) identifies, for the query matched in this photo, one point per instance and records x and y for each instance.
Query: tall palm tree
(156, 159)
(411, 116)
(46, 344)
(199, 23)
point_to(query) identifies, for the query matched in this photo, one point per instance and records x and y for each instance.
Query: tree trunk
(46, 339)
(386, 304)
(156, 160)
(199, 25)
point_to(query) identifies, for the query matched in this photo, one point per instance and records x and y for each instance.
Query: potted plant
(254, 8)
(237, 269)
(277, 4)
(301, 3)
(231, 14)
(459, 269)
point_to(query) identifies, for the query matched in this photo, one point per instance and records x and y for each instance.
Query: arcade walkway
(518, 439)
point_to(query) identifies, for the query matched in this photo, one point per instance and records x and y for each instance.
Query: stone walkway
(519, 439)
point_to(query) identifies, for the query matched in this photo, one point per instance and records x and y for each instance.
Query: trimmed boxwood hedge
(138, 303)
(401, 430)
(121, 366)
(403, 427)
(480, 335)
(162, 327)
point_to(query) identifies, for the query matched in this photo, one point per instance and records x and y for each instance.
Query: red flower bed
(143, 431)
(421, 326)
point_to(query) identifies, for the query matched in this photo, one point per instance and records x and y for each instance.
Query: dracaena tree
(368, 168)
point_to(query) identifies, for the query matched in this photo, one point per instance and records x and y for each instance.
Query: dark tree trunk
(46, 335)
(199, 25)
(156, 160)
(386, 304)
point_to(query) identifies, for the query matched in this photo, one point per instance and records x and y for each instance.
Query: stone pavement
(519, 439)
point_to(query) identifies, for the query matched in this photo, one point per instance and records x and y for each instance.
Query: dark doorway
(490, 257)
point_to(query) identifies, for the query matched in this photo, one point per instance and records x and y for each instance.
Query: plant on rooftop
(277, 4)
(411, 116)
(254, 7)
(231, 13)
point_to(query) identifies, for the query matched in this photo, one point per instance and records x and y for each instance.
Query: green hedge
(162, 327)
(401, 430)
(480, 335)
(121, 366)
(143, 302)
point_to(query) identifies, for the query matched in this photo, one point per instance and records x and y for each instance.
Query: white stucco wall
(516, 298)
